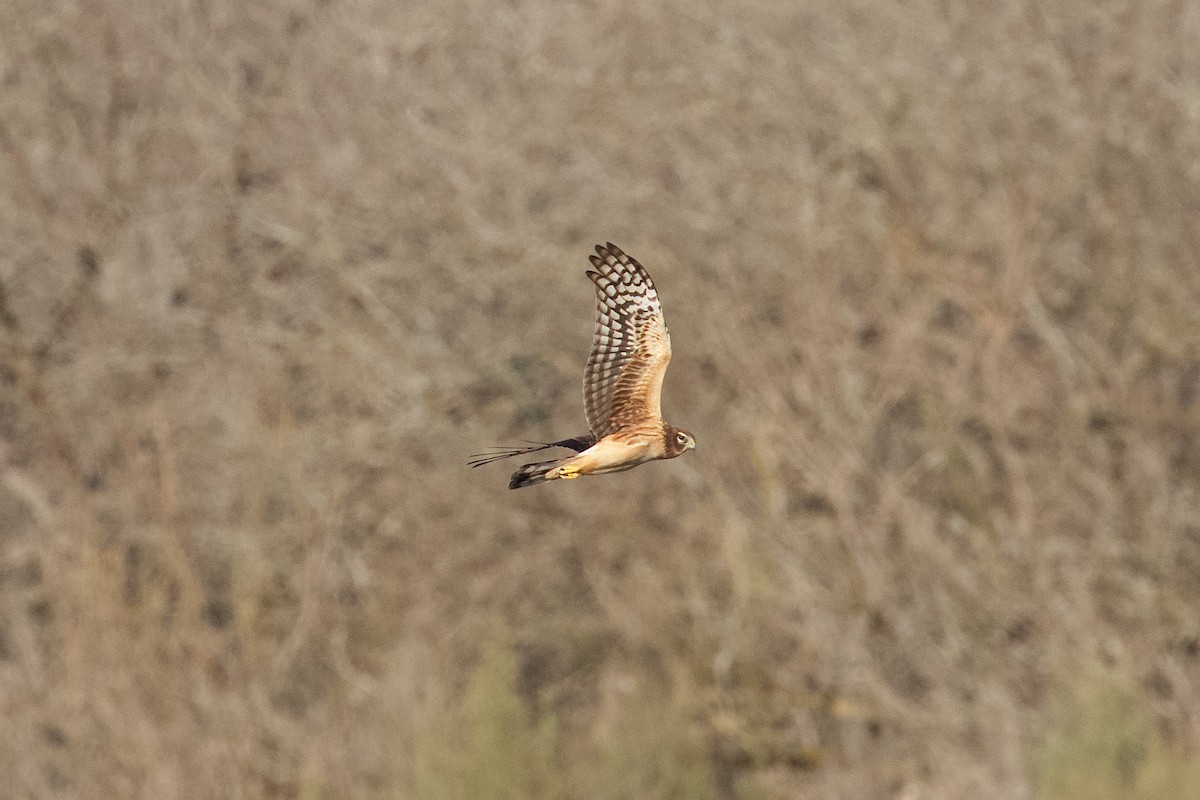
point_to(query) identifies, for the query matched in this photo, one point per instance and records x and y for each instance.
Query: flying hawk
(622, 383)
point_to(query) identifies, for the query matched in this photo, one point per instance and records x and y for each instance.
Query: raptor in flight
(622, 383)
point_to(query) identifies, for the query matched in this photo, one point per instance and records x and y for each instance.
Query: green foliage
(1105, 746)
(495, 749)
(652, 755)
(488, 746)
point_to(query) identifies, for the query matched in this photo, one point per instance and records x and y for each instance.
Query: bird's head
(678, 441)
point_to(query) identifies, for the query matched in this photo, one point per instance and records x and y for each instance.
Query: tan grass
(270, 271)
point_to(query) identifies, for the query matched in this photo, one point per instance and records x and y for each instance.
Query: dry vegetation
(270, 271)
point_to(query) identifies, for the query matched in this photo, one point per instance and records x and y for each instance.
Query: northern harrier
(622, 384)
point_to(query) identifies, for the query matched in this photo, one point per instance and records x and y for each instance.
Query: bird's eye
(681, 438)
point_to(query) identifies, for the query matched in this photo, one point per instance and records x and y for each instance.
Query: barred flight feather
(630, 348)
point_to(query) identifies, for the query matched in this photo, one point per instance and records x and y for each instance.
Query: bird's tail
(532, 474)
(578, 445)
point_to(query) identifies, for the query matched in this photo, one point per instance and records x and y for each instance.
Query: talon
(568, 472)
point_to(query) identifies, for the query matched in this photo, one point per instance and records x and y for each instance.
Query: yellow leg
(568, 471)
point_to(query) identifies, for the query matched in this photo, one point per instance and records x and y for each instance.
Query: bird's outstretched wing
(622, 384)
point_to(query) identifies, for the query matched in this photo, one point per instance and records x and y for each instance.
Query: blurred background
(270, 272)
